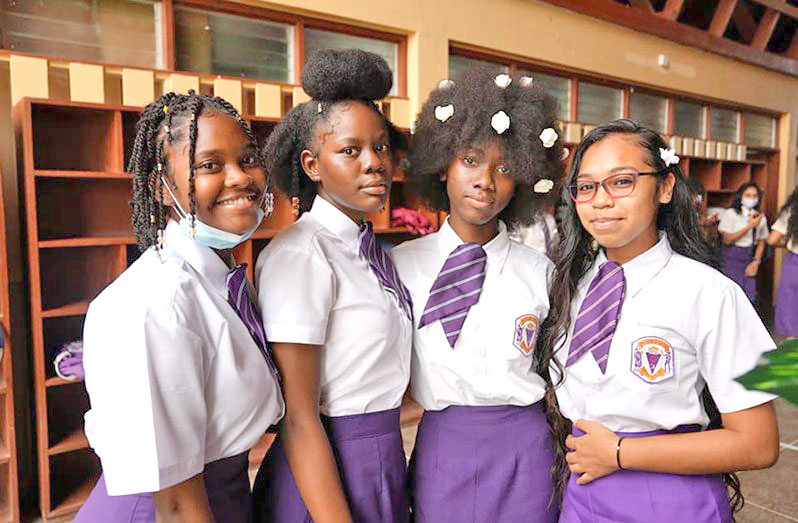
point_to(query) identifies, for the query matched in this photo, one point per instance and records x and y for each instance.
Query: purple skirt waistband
(481, 414)
(356, 426)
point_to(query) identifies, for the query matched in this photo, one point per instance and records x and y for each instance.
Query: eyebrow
(615, 170)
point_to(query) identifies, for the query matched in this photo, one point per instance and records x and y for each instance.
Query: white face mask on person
(749, 203)
(208, 235)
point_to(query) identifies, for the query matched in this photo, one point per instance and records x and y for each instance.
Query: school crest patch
(652, 359)
(527, 328)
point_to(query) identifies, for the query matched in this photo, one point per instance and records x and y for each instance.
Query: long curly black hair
(171, 119)
(332, 78)
(476, 98)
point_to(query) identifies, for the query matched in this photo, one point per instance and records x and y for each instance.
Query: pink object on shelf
(414, 221)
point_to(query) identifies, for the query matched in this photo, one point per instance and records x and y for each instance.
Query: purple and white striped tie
(239, 298)
(456, 289)
(598, 315)
(383, 267)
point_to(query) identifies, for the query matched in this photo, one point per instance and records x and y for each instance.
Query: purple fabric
(487, 464)
(383, 267)
(598, 315)
(239, 298)
(456, 289)
(368, 450)
(632, 496)
(546, 236)
(787, 298)
(226, 482)
(735, 260)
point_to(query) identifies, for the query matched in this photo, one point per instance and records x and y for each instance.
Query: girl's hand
(751, 269)
(591, 455)
(754, 220)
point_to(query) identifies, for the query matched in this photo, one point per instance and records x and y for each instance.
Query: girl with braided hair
(333, 306)
(178, 370)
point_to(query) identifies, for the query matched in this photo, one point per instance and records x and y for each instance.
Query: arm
(730, 237)
(753, 268)
(185, 502)
(304, 439)
(748, 440)
(776, 239)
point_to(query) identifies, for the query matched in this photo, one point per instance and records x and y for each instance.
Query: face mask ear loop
(177, 207)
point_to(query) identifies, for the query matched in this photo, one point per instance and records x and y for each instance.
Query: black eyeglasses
(617, 186)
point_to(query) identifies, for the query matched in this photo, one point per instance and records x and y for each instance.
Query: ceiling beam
(781, 6)
(722, 16)
(672, 10)
(765, 29)
(744, 21)
(642, 4)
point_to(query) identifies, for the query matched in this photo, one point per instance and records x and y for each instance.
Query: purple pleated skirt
(487, 464)
(787, 298)
(735, 260)
(368, 450)
(631, 496)
(226, 482)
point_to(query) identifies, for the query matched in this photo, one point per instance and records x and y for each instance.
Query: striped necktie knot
(240, 299)
(598, 315)
(383, 267)
(456, 289)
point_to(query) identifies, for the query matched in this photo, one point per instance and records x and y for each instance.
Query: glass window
(232, 45)
(316, 39)
(688, 119)
(649, 110)
(724, 125)
(598, 103)
(458, 63)
(558, 87)
(121, 32)
(760, 130)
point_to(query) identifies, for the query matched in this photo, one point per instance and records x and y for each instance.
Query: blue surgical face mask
(749, 203)
(207, 235)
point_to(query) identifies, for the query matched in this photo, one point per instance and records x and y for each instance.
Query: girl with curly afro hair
(333, 306)
(486, 150)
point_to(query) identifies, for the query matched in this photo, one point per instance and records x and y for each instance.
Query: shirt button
(477, 328)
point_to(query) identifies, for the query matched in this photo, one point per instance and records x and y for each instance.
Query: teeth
(238, 201)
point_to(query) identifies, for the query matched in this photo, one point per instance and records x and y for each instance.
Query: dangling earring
(268, 203)
(295, 206)
(594, 244)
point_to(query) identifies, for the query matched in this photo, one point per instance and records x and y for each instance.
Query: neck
(474, 233)
(355, 215)
(633, 249)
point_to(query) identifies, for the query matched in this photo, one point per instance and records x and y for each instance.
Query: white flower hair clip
(444, 112)
(543, 186)
(502, 80)
(565, 153)
(445, 84)
(525, 81)
(668, 156)
(548, 136)
(500, 122)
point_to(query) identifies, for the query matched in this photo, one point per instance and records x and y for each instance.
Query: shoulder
(527, 262)
(705, 280)
(302, 246)
(299, 235)
(406, 251)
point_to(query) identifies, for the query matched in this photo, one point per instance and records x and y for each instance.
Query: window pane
(760, 130)
(598, 103)
(230, 45)
(689, 119)
(724, 125)
(649, 110)
(316, 39)
(120, 32)
(458, 63)
(558, 87)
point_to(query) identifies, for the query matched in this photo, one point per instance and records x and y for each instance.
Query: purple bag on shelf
(69, 362)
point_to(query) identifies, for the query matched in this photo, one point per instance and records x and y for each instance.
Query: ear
(666, 189)
(310, 164)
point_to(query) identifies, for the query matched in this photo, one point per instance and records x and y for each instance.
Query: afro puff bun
(351, 74)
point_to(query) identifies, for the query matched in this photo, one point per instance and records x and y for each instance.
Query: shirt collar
(203, 259)
(641, 269)
(496, 249)
(335, 221)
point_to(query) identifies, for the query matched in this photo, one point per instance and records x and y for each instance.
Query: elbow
(769, 456)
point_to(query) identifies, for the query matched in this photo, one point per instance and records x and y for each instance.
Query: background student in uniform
(178, 371)
(484, 150)
(785, 233)
(339, 317)
(541, 234)
(744, 231)
(642, 325)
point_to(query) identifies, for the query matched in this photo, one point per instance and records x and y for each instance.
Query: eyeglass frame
(603, 183)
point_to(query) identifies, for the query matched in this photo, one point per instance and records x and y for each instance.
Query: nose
(235, 176)
(484, 179)
(602, 198)
(372, 162)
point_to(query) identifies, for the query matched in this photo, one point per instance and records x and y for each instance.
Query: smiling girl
(644, 328)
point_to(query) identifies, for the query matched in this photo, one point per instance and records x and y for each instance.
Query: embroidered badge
(652, 359)
(526, 333)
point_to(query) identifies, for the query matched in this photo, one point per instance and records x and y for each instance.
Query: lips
(479, 201)
(601, 224)
(376, 188)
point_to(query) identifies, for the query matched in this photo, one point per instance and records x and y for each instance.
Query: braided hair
(169, 120)
(332, 78)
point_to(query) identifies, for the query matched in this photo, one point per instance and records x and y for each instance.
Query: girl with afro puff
(333, 307)
(486, 151)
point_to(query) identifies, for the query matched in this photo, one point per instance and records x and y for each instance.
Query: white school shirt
(533, 236)
(491, 363)
(780, 225)
(731, 221)
(174, 377)
(315, 288)
(682, 324)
